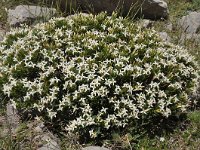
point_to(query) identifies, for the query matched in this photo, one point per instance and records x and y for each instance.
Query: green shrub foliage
(95, 74)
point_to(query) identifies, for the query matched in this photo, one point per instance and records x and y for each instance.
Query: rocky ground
(182, 27)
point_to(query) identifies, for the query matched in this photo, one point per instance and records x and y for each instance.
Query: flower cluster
(95, 74)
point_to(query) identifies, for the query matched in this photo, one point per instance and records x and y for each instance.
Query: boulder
(154, 9)
(151, 9)
(190, 23)
(29, 14)
(94, 148)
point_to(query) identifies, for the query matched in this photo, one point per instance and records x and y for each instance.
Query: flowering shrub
(95, 74)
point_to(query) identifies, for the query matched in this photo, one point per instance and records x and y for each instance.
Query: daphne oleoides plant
(95, 74)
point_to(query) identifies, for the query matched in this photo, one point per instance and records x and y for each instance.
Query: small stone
(164, 36)
(145, 23)
(169, 26)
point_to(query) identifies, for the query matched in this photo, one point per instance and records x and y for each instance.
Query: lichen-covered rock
(191, 23)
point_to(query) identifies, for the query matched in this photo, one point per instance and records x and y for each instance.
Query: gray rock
(26, 14)
(169, 26)
(12, 117)
(164, 36)
(145, 23)
(190, 23)
(94, 148)
(39, 127)
(151, 9)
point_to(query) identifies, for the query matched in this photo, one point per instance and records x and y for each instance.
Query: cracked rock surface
(29, 14)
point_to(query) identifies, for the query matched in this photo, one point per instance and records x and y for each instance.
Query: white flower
(102, 91)
(7, 89)
(93, 134)
(167, 112)
(54, 80)
(83, 88)
(162, 139)
(51, 113)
